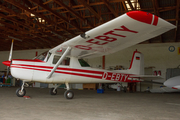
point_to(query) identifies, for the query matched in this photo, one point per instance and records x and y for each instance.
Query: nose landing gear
(53, 91)
(20, 92)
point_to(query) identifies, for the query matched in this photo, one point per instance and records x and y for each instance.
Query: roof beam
(177, 19)
(28, 3)
(69, 9)
(24, 31)
(90, 9)
(110, 8)
(124, 5)
(24, 43)
(40, 3)
(130, 4)
(156, 7)
(72, 11)
(13, 2)
(28, 19)
(21, 23)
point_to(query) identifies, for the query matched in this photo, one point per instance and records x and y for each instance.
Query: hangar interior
(38, 26)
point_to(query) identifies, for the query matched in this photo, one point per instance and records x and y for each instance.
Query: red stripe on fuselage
(69, 73)
(119, 77)
(60, 68)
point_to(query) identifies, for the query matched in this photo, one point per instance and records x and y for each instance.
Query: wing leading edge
(122, 32)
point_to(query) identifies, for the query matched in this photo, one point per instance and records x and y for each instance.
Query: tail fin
(137, 63)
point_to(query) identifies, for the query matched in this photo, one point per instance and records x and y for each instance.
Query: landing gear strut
(68, 94)
(20, 92)
(53, 91)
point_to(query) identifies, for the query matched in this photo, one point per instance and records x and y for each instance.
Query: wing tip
(144, 17)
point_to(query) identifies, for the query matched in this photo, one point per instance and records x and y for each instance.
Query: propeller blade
(10, 54)
(10, 58)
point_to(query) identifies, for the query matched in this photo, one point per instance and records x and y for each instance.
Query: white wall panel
(155, 55)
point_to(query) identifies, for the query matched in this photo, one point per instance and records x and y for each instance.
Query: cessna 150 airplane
(64, 64)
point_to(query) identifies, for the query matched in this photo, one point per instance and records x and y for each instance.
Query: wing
(122, 32)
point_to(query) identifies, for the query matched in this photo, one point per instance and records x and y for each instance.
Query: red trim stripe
(155, 20)
(59, 68)
(174, 88)
(69, 73)
(141, 16)
(133, 58)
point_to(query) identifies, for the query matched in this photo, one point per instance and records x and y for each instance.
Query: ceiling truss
(46, 23)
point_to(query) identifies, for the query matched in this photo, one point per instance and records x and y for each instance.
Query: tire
(53, 93)
(19, 93)
(68, 94)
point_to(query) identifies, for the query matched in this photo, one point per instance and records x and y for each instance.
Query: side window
(66, 60)
(83, 63)
(55, 59)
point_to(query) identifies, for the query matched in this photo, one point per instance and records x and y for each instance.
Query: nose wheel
(20, 92)
(53, 91)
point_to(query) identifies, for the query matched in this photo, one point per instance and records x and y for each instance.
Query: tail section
(137, 64)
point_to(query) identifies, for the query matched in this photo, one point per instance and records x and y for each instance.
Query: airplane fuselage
(37, 71)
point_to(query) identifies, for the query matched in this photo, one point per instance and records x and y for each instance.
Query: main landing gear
(20, 92)
(68, 94)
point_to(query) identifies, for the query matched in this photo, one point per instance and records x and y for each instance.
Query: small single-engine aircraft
(173, 82)
(64, 64)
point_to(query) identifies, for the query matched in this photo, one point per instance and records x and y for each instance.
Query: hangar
(39, 25)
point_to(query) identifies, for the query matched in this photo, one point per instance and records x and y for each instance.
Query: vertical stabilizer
(137, 63)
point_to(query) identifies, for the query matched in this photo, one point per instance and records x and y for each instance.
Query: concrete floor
(88, 105)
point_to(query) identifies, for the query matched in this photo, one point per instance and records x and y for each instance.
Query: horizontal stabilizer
(163, 90)
(146, 77)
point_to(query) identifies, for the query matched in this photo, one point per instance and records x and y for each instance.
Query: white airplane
(64, 64)
(173, 82)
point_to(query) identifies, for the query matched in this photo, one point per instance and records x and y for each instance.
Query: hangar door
(172, 72)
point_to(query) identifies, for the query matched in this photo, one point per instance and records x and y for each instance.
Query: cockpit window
(42, 56)
(83, 63)
(66, 60)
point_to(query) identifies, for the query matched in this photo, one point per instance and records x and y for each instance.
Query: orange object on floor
(27, 97)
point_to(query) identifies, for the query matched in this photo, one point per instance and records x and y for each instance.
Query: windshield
(42, 56)
(83, 63)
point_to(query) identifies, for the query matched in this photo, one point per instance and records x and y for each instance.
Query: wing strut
(59, 62)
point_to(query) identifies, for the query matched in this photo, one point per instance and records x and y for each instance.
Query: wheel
(19, 93)
(53, 93)
(68, 94)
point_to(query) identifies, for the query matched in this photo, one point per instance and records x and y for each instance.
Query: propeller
(10, 59)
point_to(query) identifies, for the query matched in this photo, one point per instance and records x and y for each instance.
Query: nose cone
(7, 63)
